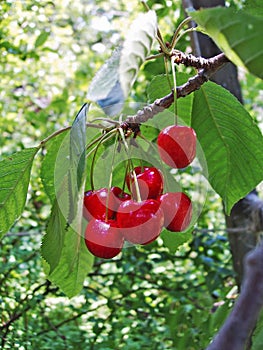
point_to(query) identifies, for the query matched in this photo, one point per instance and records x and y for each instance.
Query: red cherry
(177, 208)
(177, 145)
(120, 195)
(95, 203)
(104, 239)
(141, 221)
(150, 182)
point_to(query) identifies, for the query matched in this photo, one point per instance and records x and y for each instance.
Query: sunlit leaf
(14, 179)
(105, 88)
(237, 34)
(136, 47)
(231, 141)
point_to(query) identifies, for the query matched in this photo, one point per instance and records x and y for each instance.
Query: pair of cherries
(115, 216)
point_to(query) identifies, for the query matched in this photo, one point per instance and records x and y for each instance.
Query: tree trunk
(243, 224)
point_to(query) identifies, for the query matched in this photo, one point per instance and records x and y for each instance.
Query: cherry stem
(60, 131)
(164, 49)
(167, 72)
(154, 149)
(190, 30)
(137, 189)
(130, 161)
(110, 180)
(174, 90)
(127, 171)
(95, 141)
(103, 138)
(176, 33)
(114, 122)
(153, 57)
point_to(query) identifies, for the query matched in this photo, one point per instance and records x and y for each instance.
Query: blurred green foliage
(147, 298)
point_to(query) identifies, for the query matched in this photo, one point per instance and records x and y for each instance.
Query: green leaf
(53, 241)
(14, 179)
(254, 7)
(48, 165)
(173, 240)
(105, 78)
(136, 47)
(77, 167)
(62, 246)
(41, 39)
(231, 141)
(237, 34)
(65, 252)
(159, 87)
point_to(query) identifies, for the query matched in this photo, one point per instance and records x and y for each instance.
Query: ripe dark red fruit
(177, 145)
(177, 208)
(150, 182)
(141, 222)
(120, 196)
(96, 202)
(104, 239)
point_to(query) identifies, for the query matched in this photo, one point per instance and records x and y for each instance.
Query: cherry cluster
(115, 216)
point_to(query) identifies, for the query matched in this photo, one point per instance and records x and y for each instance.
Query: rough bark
(237, 328)
(244, 224)
(241, 239)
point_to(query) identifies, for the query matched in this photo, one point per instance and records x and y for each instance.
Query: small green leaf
(136, 47)
(231, 141)
(173, 240)
(41, 39)
(237, 34)
(14, 179)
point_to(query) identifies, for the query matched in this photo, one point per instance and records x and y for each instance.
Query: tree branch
(242, 320)
(209, 67)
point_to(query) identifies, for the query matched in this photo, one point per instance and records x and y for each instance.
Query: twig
(210, 65)
(242, 320)
(199, 62)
